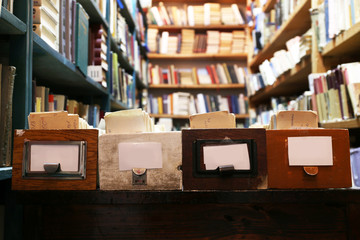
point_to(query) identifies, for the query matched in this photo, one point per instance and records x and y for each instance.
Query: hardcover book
(81, 38)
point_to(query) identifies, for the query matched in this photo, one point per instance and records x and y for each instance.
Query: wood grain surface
(89, 135)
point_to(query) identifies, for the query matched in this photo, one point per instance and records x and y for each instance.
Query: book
(81, 39)
(7, 89)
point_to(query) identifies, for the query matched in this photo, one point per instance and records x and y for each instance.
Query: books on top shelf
(46, 21)
(336, 92)
(209, 74)
(188, 42)
(282, 61)
(184, 103)
(334, 17)
(194, 15)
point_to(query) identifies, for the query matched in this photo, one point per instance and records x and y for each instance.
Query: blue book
(81, 39)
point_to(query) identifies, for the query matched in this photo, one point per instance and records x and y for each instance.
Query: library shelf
(200, 86)
(5, 173)
(238, 116)
(297, 24)
(94, 13)
(60, 74)
(344, 44)
(268, 6)
(350, 123)
(198, 56)
(291, 82)
(199, 27)
(10, 24)
(140, 85)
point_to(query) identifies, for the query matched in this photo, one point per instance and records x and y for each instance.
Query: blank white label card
(233, 154)
(310, 151)
(140, 155)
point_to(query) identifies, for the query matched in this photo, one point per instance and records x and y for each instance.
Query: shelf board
(139, 83)
(10, 24)
(322, 196)
(93, 11)
(200, 86)
(115, 104)
(238, 116)
(5, 173)
(203, 56)
(298, 23)
(291, 82)
(60, 74)
(344, 44)
(268, 6)
(199, 27)
(350, 123)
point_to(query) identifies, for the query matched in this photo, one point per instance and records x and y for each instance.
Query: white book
(239, 19)
(201, 107)
(164, 42)
(156, 14)
(206, 14)
(190, 15)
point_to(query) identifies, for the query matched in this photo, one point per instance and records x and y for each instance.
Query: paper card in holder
(54, 159)
(224, 159)
(214, 158)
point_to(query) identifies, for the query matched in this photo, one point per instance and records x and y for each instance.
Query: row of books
(188, 42)
(184, 103)
(209, 74)
(46, 101)
(334, 17)
(266, 24)
(191, 15)
(263, 112)
(336, 92)
(282, 61)
(7, 81)
(121, 82)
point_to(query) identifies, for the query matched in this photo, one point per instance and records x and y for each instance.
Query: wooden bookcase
(294, 81)
(199, 60)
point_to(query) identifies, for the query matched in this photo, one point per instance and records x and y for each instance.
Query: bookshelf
(289, 83)
(52, 69)
(198, 58)
(298, 23)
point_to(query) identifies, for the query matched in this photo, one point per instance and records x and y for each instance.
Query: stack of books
(213, 42)
(98, 62)
(153, 39)
(225, 42)
(46, 21)
(187, 41)
(212, 14)
(238, 42)
(198, 15)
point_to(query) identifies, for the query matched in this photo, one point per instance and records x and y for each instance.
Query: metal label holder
(53, 170)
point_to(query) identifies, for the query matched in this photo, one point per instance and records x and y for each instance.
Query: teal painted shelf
(10, 24)
(93, 11)
(59, 73)
(116, 105)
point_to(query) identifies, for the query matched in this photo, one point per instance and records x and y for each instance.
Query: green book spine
(81, 39)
